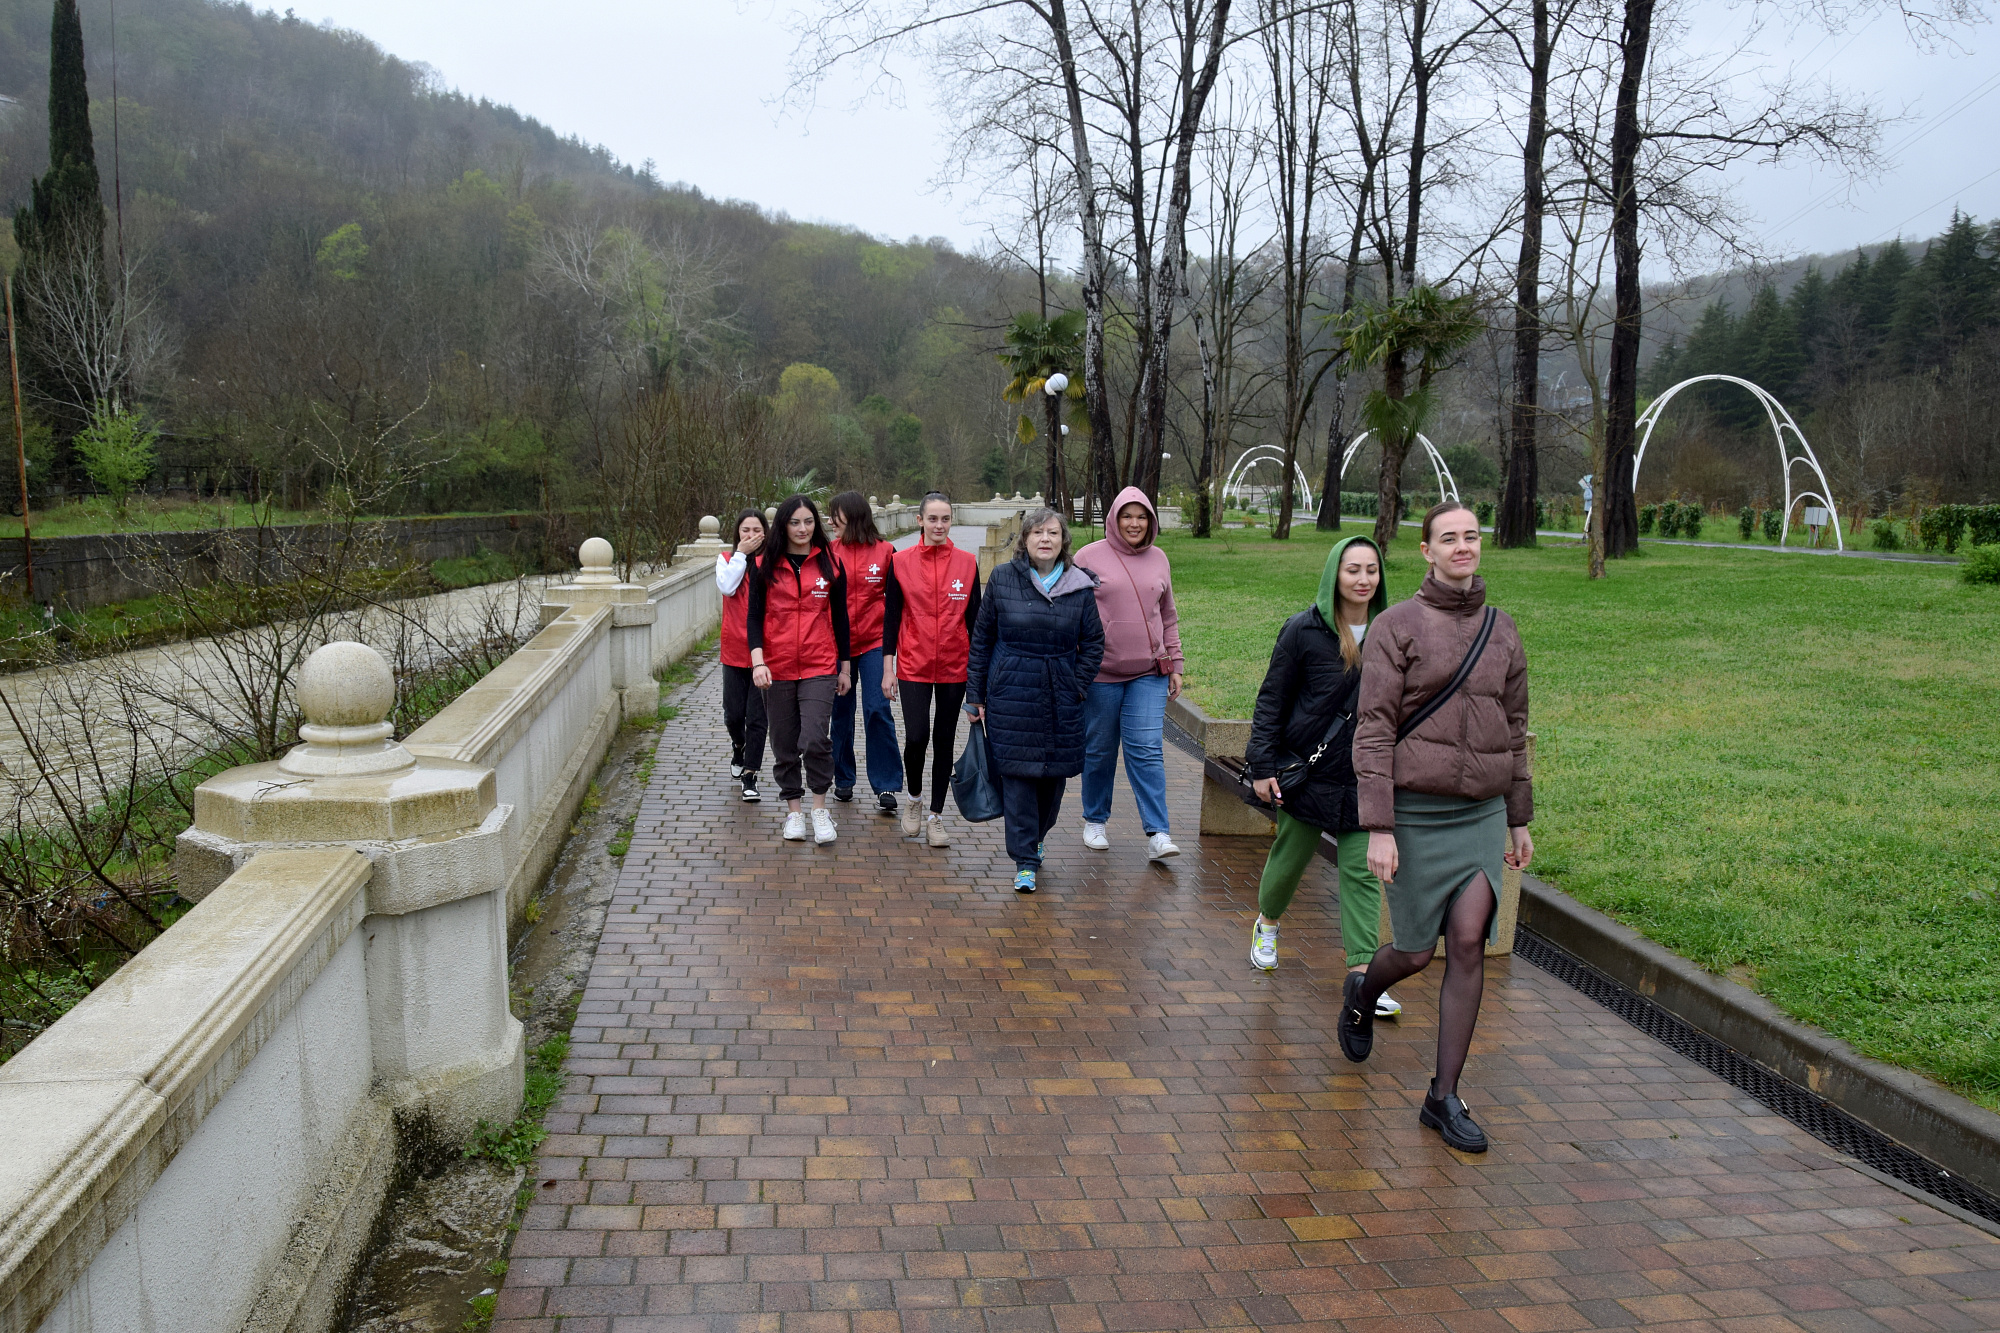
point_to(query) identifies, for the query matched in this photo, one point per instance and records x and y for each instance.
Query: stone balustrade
(205, 1142)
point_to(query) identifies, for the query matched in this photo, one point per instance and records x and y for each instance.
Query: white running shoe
(1093, 837)
(1159, 847)
(795, 827)
(736, 770)
(823, 830)
(911, 817)
(1264, 944)
(1387, 1006)
(934, 832)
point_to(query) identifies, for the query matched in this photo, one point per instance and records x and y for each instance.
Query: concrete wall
(95, 570)
(204, 1143)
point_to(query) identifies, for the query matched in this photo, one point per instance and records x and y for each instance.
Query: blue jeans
(885, 763)
(1132, 711)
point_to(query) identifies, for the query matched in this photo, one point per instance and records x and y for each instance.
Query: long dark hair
(853, 510)
(736, 528)
(777, 539)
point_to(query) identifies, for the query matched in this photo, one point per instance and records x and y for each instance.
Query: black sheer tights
(1464, 977)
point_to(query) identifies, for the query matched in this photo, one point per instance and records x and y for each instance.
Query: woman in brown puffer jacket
(1442, 790)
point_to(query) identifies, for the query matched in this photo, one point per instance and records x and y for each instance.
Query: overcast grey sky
(691, 84)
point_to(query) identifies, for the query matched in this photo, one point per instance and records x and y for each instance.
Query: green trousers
(1360, 892)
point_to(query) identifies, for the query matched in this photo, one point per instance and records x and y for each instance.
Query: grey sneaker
(911, 818)
(934, 832)
(1264, 945)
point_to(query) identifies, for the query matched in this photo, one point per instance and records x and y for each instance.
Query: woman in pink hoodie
(1141, 671)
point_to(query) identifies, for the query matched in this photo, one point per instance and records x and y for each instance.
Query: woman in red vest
(797, 630)
(742, 701)
(864, 559)
(926, 640)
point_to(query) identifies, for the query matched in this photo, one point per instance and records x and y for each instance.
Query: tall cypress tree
(68, 201)
(61, 231)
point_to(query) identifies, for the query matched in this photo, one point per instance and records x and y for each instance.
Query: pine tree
(1948, 297)
(1883, 291)
(1808, 306)
(1767, 350)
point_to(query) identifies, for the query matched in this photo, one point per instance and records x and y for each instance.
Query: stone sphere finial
(711, 528)
(770, 513)
(895, 499)
(595, 557)
(874, 503)
(346, 691)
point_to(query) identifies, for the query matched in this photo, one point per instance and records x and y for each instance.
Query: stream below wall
(443, 1233)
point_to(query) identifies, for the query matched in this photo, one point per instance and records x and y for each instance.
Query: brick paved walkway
(867, 1089)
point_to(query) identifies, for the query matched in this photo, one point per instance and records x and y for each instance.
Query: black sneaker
(1449, 1118)
(886, 802)
(1356, 1026)
(843, 793)
(750, 795)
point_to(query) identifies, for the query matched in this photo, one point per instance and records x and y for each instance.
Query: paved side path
(867, 1089)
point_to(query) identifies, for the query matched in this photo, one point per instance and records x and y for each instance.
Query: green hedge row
(1945, 525)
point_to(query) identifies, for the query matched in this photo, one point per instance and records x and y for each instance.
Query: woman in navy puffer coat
(1035, 650)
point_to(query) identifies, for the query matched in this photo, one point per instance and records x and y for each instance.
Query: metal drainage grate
(1816, 1116)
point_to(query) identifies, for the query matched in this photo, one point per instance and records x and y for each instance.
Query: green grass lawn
(95, 514)
(1787, 770)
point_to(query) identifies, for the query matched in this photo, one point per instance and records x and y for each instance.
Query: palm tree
(1422, 323)
(1038, 348)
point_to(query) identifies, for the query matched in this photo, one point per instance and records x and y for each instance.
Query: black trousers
(923, 700)
(801, 715)
(743, 714)
(1029, 807)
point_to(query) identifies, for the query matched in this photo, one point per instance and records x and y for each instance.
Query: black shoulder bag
(1459, 677)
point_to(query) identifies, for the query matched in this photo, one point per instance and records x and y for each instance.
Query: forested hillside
(337, 267)
(1888, 362)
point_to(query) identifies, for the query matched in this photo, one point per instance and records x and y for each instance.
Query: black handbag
(1294, 770)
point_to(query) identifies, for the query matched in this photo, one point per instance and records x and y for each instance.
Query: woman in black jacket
(1307, 702)
(1035, 649)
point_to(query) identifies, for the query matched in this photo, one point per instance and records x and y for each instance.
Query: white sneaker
(1387, 1007)
(823, 830)
(1093, 837)
(1159, 847)
(910, 817)
(1264, 944)
(736, 770)
(934, 832)
(795, 827)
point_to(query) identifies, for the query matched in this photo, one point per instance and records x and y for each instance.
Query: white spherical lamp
(1056, 384)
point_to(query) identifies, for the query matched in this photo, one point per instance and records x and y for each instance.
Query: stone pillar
(705, 547)
(446, 1051)
(632, 617)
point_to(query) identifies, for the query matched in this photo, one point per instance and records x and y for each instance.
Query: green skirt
(1441, 843)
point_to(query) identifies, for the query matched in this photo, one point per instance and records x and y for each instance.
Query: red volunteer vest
(736, 622)
(867, 570)
(931, 644)
(798, 622)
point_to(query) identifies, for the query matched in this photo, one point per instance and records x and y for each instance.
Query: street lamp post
(1058, 481)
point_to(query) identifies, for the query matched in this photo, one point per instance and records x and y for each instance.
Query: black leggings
(743, 714)
(919, 697)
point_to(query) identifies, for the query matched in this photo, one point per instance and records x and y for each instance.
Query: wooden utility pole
(20, 437)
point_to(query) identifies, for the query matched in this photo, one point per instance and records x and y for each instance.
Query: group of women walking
(1064, 659)
(1397, 731)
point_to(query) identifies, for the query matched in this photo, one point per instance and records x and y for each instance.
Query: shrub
(1982, 524)
(117, 453)
(1541, 513)
(1981, 564)
(1691, 517)
(1746, 522)
(1885, 534)
(1484, 511)
(1649, 515)
(1774, 525)
(1670, 519)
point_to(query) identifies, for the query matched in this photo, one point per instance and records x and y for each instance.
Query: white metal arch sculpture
(1447, 484)
(1781, 422)
(1264, 453)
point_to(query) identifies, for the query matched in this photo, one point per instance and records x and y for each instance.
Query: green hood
(1328, 600)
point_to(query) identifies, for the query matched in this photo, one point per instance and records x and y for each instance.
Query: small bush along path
(1784, 771)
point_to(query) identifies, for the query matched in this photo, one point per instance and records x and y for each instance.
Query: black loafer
(1449, 1118)
(843, 793)
(1356, 1027)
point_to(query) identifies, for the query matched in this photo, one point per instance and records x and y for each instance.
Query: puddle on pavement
(436, 1247)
